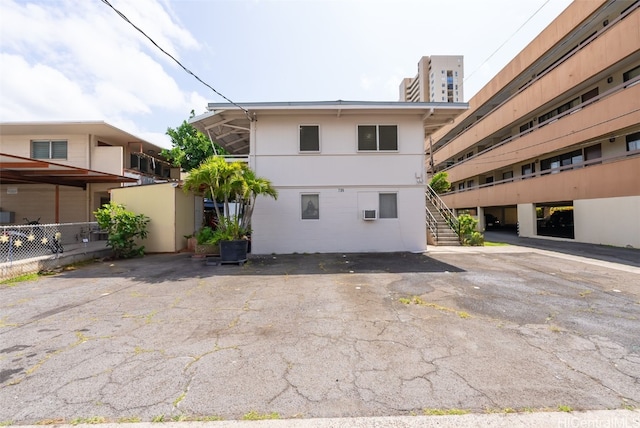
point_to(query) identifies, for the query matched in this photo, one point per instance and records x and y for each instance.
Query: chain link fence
(34, 240)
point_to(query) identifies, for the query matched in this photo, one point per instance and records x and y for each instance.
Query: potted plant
(230, 183)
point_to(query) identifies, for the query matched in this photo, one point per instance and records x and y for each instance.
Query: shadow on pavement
(161, 268)
(627, 256)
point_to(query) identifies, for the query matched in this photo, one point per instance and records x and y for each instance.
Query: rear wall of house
(346, 181)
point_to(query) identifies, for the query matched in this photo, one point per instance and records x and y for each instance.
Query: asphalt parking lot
(484, 330)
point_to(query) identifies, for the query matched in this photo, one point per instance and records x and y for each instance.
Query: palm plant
(230, 182)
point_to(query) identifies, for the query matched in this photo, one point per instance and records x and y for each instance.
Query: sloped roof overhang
(229, 124)
(20, 170)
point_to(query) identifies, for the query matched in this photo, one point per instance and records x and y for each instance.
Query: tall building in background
(439, 80)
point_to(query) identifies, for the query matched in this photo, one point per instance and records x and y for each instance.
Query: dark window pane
(367, 137)
(588, 95)
(58, 150)
(388, 205)
(310, 207)
(388, 137)
(40, 150)
(628, 75)
(309, 138)
(633, 141)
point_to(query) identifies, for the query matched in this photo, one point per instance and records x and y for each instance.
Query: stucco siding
(608, 221)
(279, 228)
(346, 181)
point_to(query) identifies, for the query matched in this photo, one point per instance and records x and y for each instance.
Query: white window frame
(377, 150)
(303, 208)
(319, 138)
(380, 213)
(50, 155)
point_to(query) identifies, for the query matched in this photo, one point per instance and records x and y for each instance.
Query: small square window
(388, 203)
(309, 138)
(310, 207)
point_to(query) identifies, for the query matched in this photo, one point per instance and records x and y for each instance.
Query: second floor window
(377, 137)
(309, 138)
(49, 149)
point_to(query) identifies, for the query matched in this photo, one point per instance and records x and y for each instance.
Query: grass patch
(495, 244)
(255, 416)
(417, 300)
(563, 408)
(444, 412)
(129, 420)
(6, 423)
(93, 420)
(159, 418)
(12, 282)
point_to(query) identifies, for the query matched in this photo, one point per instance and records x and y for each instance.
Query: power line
(246, 112)
(506, 41)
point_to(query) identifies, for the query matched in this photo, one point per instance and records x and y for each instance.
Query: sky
(78, 60)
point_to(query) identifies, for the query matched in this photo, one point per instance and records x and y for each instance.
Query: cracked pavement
(318, 336)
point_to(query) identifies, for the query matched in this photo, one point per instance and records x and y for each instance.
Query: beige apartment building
(439, 80)
(551, 145)
(60, 172)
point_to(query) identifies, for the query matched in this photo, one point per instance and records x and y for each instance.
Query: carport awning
(19, 170)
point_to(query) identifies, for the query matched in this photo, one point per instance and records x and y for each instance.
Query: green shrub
(205, 236)
(440, 183)
(468, 233)
(123, 228)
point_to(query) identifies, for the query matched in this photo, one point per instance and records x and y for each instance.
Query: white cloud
(78, 60)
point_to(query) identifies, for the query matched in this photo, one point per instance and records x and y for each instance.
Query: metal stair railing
(432, 223)
(443, 209)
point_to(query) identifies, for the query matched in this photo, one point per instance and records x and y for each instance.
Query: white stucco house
(350, 175)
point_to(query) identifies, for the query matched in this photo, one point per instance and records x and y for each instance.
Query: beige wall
(170, 210)
(616, 220)
(569, 19)
(612, 179)
(108, 159)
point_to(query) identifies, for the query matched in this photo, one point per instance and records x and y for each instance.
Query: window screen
(309, 138)
(367, 139)
(310, 207)
(388, 205)
(388, 137)
(49, 149)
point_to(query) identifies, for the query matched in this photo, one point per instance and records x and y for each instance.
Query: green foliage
(123, 228)
(468, 233)
(440, 183)
(229, 182)
(205, 235)
(190, 147)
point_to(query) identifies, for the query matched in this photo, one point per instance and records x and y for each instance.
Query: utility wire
(246, 112)
(506, 41)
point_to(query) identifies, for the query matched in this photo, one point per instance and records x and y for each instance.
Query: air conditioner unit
(369, 214)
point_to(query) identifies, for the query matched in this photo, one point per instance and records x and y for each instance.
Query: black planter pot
(233, 251)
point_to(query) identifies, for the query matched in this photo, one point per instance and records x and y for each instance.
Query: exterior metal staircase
(442, 224)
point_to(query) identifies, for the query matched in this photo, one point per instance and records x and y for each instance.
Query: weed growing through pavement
(93, 420)
(255, 416)
(417, 300)
(443, 412)
(564, 408)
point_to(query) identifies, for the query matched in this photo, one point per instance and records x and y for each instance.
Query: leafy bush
(206, 236)
(123, 228)
(440, 183)
(468, 233)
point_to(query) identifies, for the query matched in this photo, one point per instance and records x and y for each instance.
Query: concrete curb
(590, 418)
